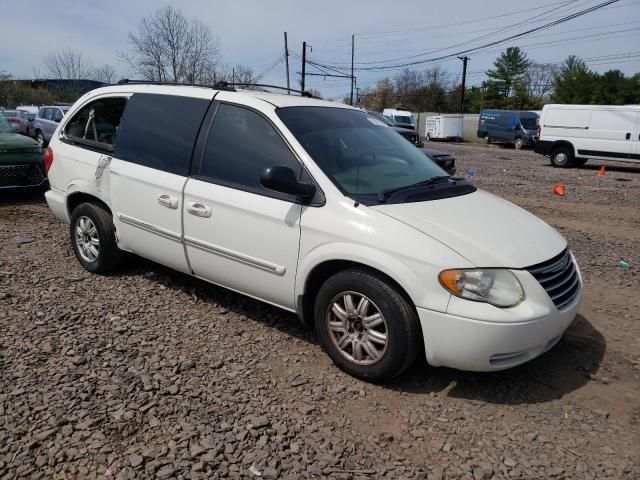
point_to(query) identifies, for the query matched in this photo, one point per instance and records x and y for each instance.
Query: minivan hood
(487, 230)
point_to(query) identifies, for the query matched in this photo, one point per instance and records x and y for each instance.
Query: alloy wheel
(357, 328)
(87, 239)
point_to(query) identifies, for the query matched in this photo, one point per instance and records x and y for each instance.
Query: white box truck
(572, 134)
(443, 127)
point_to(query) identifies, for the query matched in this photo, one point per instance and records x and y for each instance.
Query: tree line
(515, 82)
(167, 47)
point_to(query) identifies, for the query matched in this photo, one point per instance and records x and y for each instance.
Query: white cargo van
(400, 116)
(572, 134)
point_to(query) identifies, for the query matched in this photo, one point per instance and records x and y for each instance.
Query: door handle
(168, 201)
(199, 209)
(628, 136)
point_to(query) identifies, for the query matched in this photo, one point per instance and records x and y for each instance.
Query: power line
(545, 26)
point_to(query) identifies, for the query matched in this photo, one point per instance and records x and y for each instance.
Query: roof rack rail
(303, 93)
(127, 81)
(228, 86)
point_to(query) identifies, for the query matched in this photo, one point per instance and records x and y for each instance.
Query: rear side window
(97, 122)
(47, 113)
(56, 116)
(241, 145)
(159, 131)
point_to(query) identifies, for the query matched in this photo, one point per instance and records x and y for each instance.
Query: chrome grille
(559, 277)
(20, 176)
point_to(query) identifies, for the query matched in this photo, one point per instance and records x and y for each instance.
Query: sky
(387, 33)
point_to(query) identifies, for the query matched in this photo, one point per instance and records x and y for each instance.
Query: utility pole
(286, 59)
(304, 61)
(233, 76)
(464, 59)
(352, 54)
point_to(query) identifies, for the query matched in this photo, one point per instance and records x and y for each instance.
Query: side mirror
(282, 179)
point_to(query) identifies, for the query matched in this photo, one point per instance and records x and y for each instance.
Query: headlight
(495, 286)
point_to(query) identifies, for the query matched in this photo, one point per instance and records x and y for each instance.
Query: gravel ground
(151, 374)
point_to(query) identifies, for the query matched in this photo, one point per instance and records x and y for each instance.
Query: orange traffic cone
(559, 190)
(601, 172)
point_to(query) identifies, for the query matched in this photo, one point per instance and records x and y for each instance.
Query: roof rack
(227, 86)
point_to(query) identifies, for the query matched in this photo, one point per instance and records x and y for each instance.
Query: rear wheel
(562, 157)
(518, 143)
(93, 238)
(428, 137)
(486, 140)
(366, 326)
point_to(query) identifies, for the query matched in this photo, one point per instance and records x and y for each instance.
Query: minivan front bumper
(482, 346)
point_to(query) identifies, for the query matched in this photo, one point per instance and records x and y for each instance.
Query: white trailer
(443, 127)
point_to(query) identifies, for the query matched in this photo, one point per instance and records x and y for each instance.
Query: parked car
(519, 128)
(316, 208)
(31, 113)
(572, 134)
(407, 133)
(46, 122)
(21, 161)
(401, 116)
(18, 120)
(444, 160)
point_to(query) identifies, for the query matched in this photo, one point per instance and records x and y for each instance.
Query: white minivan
(572, 134)
(319, 209)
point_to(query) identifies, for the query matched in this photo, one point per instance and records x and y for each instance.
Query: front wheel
(518, 143)
(366, 326)
(93, 238)
(486, 140)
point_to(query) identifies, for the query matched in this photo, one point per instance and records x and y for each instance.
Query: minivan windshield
(529, 123)
(360, 154)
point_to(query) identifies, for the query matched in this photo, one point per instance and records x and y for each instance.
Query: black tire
(403, 337)
(579, 162)
(428, 138)
(518, 143)
(486, 140)
(109, 255)
(562, 157)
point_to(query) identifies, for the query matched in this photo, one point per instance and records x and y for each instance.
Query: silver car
(47, 121)
(18, 120)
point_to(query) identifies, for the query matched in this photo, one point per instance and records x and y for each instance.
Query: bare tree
(67, 64)
(539, 79)
(238, 74)
(106, 73)
(4, 75)
(169, 47)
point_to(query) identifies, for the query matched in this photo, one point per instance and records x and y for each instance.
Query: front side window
(241, 145)
(159, 131)
(363, 157)
(529, 123)
(97, 122)
(48, 113)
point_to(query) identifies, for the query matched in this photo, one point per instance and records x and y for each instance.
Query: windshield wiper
(384, 194)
